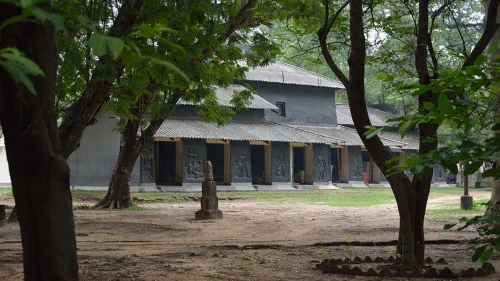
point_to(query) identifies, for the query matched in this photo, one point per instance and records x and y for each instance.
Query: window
(281, 108)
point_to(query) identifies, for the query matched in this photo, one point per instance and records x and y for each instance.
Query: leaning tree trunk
(131, 146)
(39, 175)
(118, 195)
(84, 111)
(495, 194)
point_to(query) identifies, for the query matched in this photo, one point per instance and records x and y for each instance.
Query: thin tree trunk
(40, 176)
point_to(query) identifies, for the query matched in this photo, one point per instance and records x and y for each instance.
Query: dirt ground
(165, 242)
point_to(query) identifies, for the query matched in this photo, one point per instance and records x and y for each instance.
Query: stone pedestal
(209, 199)
(466, 202)
(209, 202)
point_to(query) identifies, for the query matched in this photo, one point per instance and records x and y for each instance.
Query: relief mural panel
(194, 155)
(280, 162)
(321, 154)
(240, 162)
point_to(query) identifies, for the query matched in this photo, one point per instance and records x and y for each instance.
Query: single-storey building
(292, 136)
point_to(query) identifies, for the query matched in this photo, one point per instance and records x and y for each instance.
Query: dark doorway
(367, 168)
(366, 160)
(215, 154)
(166, 171)
(335, 160)
(257, 160)
(299, 166)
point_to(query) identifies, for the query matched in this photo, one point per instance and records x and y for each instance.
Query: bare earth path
(164, 242)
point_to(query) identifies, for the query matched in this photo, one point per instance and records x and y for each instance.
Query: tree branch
(82, 113)
(422, 43)
(438, 12)
(235, 24)
(488, 33)
(464, 48)
(323, 36)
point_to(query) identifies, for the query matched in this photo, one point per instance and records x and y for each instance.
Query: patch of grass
(6, 192)
(87, 195)
(356, 197)
(452, 211)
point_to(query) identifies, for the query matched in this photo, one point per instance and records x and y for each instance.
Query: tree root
(107, 203)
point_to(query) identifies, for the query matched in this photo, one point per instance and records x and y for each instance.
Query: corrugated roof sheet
(348, 135)
(195, 128)
(280, 72)
(411, 140)
(225, 95)
(377, 117)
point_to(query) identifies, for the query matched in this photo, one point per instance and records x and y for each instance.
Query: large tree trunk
(40, 176)
(411, 197)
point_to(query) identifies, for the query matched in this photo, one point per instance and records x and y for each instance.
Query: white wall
(4, 167)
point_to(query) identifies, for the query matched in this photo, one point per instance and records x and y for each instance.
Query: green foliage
(487, 227)
(14, 62)
(470, 121)
(19, 67)
(192, 55)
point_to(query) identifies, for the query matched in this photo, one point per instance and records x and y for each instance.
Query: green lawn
(5, 192)
(343, 197)
(452, 210)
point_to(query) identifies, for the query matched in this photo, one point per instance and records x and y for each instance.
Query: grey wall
(93, 162)
(280, 162)
(245, 114)
(322, 163)
(304, 104)
(355, 163)
(147, 171)
(240, 162)
(194, 155)
(439, 174)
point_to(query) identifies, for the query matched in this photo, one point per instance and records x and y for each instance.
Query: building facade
(292, 136)
(4, 167)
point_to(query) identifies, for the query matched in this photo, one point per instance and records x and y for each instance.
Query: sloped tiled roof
(196, 128)
(412, 140)
(225, 95)
(377, 117)
(348, 135)
(280, 72)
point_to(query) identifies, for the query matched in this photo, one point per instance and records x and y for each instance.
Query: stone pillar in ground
(209, 199)
(344, 165)
(466, 202)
